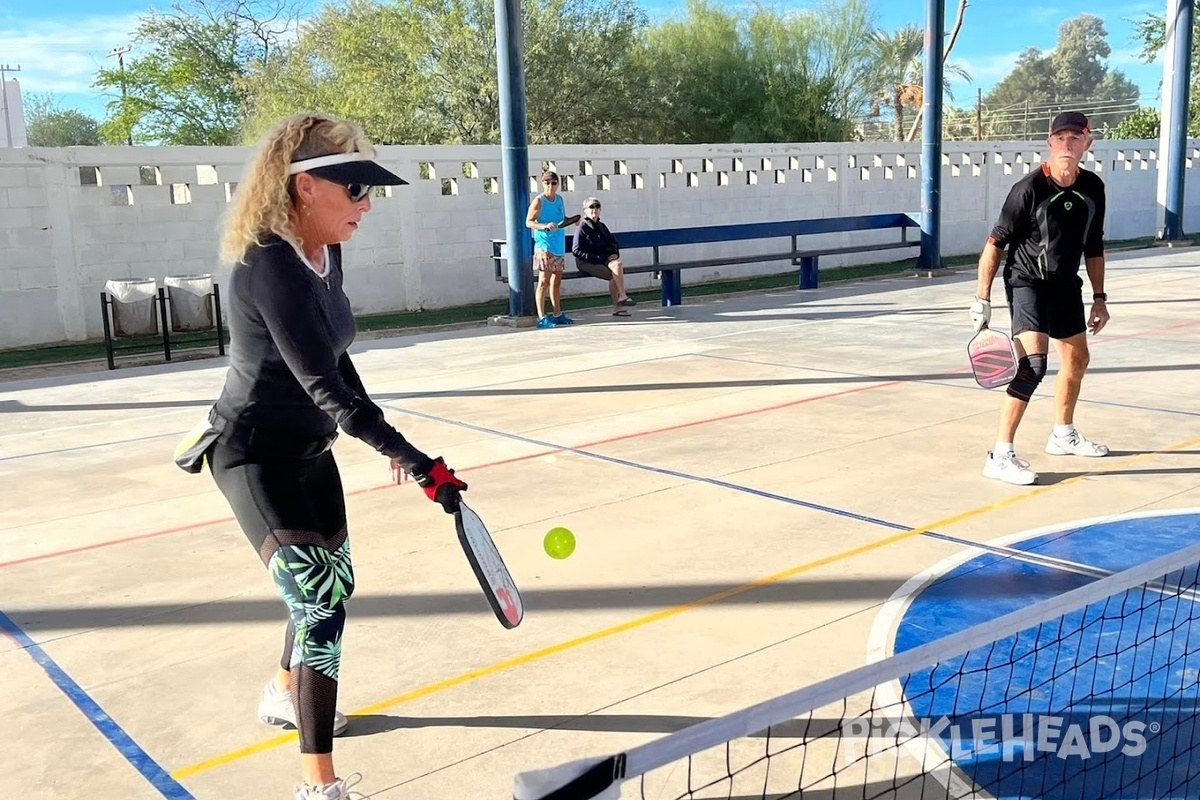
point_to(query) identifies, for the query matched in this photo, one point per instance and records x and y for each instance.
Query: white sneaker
(276, 708)
(338, 790)
(1008, 468)
(1074, 444)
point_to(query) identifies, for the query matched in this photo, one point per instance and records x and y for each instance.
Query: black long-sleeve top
(594, 242)
(290, 377)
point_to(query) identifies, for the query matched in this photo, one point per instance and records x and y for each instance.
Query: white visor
(323, 161)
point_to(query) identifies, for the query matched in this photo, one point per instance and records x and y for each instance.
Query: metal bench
(805, 258)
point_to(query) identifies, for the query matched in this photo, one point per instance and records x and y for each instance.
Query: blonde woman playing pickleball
(291, 385)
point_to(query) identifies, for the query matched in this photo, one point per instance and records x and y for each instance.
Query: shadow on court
(877, 589)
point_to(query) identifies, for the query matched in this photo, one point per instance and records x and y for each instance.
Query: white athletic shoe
(1074, 444)
(275, 708)
(1008, 468)
(338, 790)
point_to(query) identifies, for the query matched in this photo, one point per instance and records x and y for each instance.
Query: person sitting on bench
(598, 254)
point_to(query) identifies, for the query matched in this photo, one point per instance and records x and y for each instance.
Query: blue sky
(61, 44)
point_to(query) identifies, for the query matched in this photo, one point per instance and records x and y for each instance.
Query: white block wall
(72, 219)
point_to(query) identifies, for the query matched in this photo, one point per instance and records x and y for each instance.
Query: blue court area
(1098, 702)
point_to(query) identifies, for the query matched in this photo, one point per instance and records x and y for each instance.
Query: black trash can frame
(162, 324)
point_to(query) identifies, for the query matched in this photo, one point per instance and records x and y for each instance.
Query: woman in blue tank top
(547, 218)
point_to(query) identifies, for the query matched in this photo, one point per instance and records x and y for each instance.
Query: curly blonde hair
(264, 203)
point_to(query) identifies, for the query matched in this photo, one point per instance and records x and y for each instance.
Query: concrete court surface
(799, 447)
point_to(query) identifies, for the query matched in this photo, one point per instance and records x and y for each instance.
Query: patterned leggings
(294, 514)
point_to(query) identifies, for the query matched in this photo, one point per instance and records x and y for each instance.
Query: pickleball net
(1089, 694)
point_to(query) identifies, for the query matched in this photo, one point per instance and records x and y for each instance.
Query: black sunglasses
(358, 191)
(594, 205)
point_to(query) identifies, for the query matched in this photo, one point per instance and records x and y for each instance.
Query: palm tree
(899, 72)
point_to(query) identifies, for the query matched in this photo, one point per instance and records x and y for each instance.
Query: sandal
(621, 313)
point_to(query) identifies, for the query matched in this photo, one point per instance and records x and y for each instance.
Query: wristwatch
(1100, 296)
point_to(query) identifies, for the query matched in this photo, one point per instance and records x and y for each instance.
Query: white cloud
(63, 54)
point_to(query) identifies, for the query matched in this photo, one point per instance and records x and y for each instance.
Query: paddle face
(498, 586)
(993, 358)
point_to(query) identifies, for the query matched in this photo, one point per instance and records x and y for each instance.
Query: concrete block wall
(71, 219)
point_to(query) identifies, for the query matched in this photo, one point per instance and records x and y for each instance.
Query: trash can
(191, 306)
(133, 306)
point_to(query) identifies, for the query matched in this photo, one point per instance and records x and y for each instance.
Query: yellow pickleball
(559, 543)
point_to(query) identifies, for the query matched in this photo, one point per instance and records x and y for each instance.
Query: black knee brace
(1030, 371)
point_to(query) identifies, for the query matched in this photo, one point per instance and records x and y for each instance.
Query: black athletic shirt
(1048, 228)
(290, 377)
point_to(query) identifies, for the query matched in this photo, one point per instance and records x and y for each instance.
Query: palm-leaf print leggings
(294, 514)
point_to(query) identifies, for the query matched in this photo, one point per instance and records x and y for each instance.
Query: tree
(720, 75)
(959, 14)
(363, 60)
(899, 72)
(839, 50)
(1151, 31)
(424, 71)
(48, 124)
(897, 78)
(188, 85)
(1031, 84)
(1141, 124)
(1078, 62)
(1075, 75)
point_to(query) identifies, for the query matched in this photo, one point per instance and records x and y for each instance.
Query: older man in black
(1051, 220)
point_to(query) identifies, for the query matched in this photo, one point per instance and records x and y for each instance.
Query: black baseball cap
(1070, 121)
(348, 168)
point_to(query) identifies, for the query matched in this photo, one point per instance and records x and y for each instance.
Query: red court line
(609, 440)
(678, 426)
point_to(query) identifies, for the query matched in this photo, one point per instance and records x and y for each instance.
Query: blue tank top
(553, 242)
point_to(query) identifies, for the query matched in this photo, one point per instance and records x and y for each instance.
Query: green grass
(94, 349)
(479, 312)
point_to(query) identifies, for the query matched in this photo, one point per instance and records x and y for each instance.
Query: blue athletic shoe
(545, 322)
(563, 319)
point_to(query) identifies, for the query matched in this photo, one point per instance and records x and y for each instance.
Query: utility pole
(979, 117)
(120, 52)
(8, 135)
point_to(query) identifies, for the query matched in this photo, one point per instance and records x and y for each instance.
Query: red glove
(441, 486)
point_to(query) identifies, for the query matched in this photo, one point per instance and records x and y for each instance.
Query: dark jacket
(594, 242)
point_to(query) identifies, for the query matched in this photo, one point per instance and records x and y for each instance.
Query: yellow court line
(537, 655)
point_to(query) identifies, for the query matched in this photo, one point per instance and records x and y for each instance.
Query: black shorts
(600, 271)
(1053, 308)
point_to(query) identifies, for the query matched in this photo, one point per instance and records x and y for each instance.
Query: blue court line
(658, 470)
(928, 382)
(158, 777)
(1035, 558)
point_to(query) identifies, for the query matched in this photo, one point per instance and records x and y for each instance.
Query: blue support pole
(931, 139)
(1177, 142)
(514, 155)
